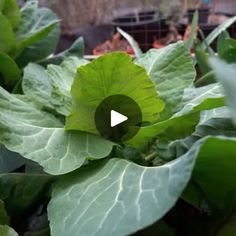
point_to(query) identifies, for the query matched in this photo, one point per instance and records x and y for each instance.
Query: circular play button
(118, 118)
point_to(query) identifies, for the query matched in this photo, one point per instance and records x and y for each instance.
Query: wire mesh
(147, 28)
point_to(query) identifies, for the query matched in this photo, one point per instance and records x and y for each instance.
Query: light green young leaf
(131, 41)
(12, 12)
(56, 150)
(108, 75)
(7, 37)
(7, 231)
(217, 31)
(4, 219)
(226, 74)
(116, 197)
(171, 68)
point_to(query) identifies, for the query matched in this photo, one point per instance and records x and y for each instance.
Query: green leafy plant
(59, 177)
(29, 34)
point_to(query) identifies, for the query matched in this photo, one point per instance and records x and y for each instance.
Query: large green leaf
(51, 87)
(7, 37)
(7, 231)
(4, 219)
(226, 74)
(9, 69)
(56, 150)
(116, 197)
(36, 23)
(171, 68)
(12, 12)
(108, 75)
(76, 50)
(183, 122)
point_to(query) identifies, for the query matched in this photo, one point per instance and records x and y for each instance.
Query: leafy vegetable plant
(28, 35)
(56, 167)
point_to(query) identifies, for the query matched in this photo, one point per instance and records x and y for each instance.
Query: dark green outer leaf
(116, 197)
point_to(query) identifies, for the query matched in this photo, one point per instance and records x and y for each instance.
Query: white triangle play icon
(117, 118)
